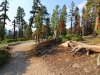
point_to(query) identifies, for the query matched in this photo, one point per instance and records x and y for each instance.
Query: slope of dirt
(19, 64)
(63, 63)
(60, 62)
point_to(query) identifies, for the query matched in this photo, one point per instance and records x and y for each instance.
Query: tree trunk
(78, 46)
(56, 36)
(4, 21)
(14, 30)
(37, 38)
(96, 24)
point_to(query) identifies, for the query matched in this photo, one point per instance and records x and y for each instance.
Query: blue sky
(27, 5)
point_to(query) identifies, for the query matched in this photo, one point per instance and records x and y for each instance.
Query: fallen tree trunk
(95, 48)
(86, 47)
(78, 46)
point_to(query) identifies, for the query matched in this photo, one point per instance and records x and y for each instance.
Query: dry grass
(91, 40)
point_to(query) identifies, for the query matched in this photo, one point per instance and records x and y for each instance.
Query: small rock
(76, 65)
(70, 65)
(86, 70)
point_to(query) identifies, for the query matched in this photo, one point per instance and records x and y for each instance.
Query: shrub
(98, 31)
(4, 56)
(50, 37)
(9, 40)
(63, 38)
(77, 37)
(22, 39)
(74, 37)
(0, 42)
(69, 36)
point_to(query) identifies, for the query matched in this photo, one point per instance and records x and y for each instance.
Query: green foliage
(2, 31)
(9, 40)
(0, 42)
(63, 38)
(28, 31)
(50, 37)
(22, 39)
(74, 37)
(4, 56)
(63, 13)
(20, 20)
(39, 18)
(98, 31)
(13, 40)
(55, 18)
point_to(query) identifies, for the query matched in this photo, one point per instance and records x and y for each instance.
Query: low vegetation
(13, 40)
(74, 37)
(4, 56)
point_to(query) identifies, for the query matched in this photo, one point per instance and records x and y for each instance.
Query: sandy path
(20, 65)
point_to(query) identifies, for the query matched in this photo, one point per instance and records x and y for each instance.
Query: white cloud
(80, 6)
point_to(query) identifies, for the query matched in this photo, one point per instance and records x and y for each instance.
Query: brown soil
(59, 62)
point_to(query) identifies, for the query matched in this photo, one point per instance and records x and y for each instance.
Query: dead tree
(78, 46)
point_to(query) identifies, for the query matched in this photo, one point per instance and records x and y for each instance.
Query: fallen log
(66, 44)
(79, 46)
(83, 46)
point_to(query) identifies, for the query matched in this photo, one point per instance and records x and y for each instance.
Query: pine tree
(63, 20)
(39, 19)
(83, 21)
(77, 29)
(1, 30)
(92, 7)
(27, 32)
(55, 18)
(4, 8)
(48, 29)
(20, 20)
(72, 15)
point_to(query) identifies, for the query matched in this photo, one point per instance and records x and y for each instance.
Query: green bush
(13, 40)
(98, 31)
(68, 36)
(9, 40)
(50, 37)
(22, 39)
(0, 42)
(63, 38)
(74, 37)
(4, 56)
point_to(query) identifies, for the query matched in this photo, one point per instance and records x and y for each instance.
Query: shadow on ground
(17, 65)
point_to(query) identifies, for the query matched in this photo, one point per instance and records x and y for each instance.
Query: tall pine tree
(20, 20)
(4, 8)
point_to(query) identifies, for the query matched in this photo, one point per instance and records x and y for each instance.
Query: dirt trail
(60, 63)
(20, 65)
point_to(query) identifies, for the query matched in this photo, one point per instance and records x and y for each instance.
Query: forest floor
(61, 62)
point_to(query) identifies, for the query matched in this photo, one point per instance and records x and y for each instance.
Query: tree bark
(56, 36)
(88, 47)
(77, 46)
